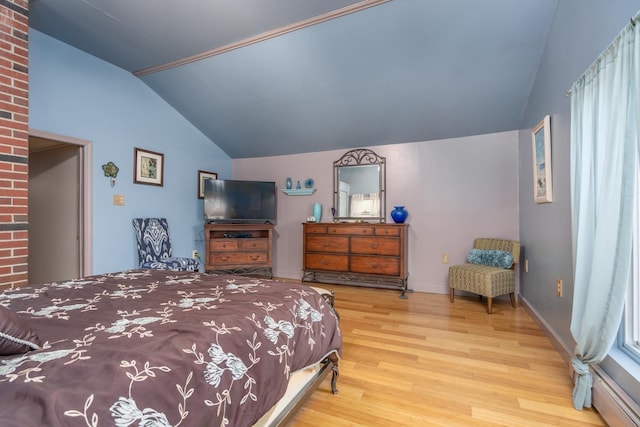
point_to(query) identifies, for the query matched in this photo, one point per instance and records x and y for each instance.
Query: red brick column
(14, 142)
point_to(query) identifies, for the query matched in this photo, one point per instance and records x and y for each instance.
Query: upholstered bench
(489, 272)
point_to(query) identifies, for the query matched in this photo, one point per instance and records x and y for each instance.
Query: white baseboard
(612, 403)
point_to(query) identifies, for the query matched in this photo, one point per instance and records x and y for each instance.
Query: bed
(162, 348)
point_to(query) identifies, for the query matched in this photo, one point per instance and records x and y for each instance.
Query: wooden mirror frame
(360, 157)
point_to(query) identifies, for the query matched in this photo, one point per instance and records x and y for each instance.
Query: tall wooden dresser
(359, 254)
(239, 248)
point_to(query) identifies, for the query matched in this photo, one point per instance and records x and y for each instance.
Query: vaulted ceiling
(273, 77)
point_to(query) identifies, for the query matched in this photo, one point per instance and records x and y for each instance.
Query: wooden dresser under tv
(239, 248)
(361, 254)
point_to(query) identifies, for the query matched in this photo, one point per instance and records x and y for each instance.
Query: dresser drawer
(375, 265)
(253, 244)
(315, 228)
(238, 244)
(230, 258)
(387, 231)
(375, 245)
(326, 262)
(357, 230)
(223, 245)
(327, 244)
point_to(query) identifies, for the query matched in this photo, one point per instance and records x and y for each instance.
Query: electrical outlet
(445, 258)
(195, 254)
(559, 287)
(118, 199)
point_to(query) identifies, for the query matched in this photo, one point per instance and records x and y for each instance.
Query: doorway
(59, 208)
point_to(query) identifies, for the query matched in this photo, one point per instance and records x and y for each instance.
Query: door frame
(85, 185)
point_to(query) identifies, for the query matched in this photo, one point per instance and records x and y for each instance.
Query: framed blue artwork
(542, 180)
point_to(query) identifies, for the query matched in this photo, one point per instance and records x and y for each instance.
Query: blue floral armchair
(154, 246)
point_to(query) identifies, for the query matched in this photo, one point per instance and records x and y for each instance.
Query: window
(630, 331)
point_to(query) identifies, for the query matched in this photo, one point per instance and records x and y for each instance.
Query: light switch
(118, 199)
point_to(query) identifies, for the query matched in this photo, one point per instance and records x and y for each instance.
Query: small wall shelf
(299, 191)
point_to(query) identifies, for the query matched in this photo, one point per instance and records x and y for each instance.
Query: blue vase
(399, 214)
(317, 211)
(288, 184)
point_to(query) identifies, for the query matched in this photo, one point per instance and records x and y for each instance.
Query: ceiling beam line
(356, 7)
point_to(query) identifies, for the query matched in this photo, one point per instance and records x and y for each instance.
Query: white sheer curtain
(365, 205)
(605, 108)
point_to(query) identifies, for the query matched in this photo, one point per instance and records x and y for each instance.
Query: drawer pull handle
(325, 261)
(374, 265)
(224, 258)
(374, 245)
(254, 257)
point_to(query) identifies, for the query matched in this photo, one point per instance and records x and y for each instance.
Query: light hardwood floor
(426, 362)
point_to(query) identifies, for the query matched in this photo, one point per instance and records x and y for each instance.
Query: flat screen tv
(241, 202)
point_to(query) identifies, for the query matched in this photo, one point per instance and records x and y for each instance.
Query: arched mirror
(359, 180)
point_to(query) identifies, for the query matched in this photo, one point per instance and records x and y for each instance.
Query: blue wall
(75, 94)
(581, 30)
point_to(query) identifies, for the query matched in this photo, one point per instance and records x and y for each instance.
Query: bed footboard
(333, 358)
(282, 416)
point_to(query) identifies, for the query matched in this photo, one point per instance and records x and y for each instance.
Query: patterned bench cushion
(482, 279)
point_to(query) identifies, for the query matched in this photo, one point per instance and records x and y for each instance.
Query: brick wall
(14, 142)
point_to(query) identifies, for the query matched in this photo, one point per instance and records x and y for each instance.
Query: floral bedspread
(160, 348)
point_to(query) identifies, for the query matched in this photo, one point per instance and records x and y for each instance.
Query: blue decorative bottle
(317, 211)
(289, 184)
(399, 214)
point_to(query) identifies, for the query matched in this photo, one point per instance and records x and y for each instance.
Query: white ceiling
(262, 77)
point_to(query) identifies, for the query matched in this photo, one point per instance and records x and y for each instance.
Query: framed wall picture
(202, 175)
(148, 167)
(542, 179)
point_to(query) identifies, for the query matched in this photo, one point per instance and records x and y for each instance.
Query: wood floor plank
(424, 361)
